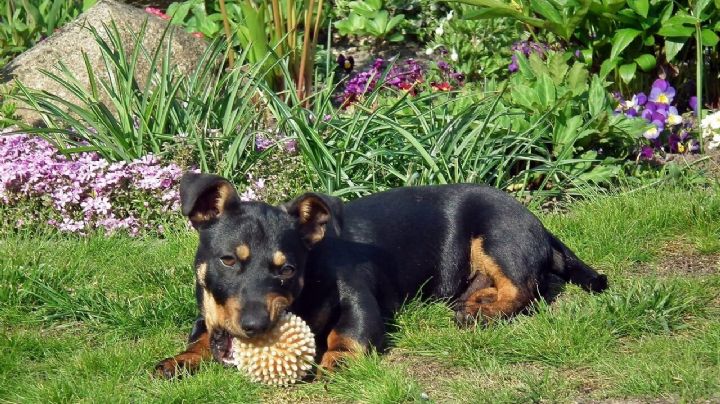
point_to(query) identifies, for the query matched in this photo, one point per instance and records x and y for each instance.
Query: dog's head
(250, 262)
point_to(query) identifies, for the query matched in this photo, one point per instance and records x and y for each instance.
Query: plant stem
(228, 34)
(305, 50)
(278, 27)
(698, 70)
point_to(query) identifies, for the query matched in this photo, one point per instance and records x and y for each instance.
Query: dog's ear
(204, 197)
(317, 215)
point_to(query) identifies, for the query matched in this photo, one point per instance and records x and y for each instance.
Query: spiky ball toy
(280, 357)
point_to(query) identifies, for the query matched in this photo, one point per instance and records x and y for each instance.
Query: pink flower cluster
(84, 192)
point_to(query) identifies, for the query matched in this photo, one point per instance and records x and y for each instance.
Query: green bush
(584, 140)
(24, 23)
(479, 48)
(623, 37)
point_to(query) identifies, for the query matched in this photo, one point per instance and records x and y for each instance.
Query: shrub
(479, 48)
(22, 27)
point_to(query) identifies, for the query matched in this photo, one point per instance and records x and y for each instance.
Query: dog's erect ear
(317, 215)
(204, 197)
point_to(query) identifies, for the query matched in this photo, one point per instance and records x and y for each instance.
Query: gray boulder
(68, 43)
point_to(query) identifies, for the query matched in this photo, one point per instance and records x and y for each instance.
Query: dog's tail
(569, 267)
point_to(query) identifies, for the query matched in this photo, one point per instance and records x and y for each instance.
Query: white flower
(450, 15)
(711, 125)
(429, 51)
(454, 56)
(714, 143)
(439, 30)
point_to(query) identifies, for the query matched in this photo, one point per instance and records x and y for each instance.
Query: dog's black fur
(346, 268)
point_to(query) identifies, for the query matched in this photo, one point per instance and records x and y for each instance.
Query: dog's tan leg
(340, 346)
(189, 360)
(491, 294)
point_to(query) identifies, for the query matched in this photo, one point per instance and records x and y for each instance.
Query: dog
(346, 268)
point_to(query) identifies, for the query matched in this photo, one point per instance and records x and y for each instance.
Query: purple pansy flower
(647, 152)
(662, 92)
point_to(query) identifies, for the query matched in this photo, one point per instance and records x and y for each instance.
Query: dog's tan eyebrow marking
(243, 252)
(279, 258)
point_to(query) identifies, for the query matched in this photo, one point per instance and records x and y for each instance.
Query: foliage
(7, 108)
(26, 22)
(370, 18)
(419, 16)
(205, 118)
(269, 31)
(540, 135)
(479, 47)
(621, 36)
(584, 141)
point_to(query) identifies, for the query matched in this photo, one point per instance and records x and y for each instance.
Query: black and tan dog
(346, 268)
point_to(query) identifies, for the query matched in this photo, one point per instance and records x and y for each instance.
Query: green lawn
(85, 320)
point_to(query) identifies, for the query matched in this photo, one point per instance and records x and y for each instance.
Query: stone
(68, 43)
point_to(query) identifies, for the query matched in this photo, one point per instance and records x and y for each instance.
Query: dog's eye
(228, 260)
(286, 271)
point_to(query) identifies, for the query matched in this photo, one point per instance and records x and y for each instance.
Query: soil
(708, 162)
(678, 257)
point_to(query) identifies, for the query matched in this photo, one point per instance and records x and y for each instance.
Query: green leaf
(558, 67)
(53, 17)
(577, 79)
(180, 12)
(545, 89)
(566, 134)
(537, 65)
(600, 174)
(524, 66)
(640, 6)
(33, 12)
(709, 38)
(587, 55)
(394, 22)
(672, 48)
(627, 71)
(678, 31)
(547, 10)
(608, 66)
(396, 37)
(621, 40)
(646, 62)
(597, 98)
(681, 19)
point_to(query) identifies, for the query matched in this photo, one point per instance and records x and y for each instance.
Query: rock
(68, 43)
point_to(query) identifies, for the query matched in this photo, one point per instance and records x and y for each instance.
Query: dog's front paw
(176, 366)
(463, 319)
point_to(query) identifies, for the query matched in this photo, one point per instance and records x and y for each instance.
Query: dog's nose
(254, 325)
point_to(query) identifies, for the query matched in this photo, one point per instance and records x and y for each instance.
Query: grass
(84, 320)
